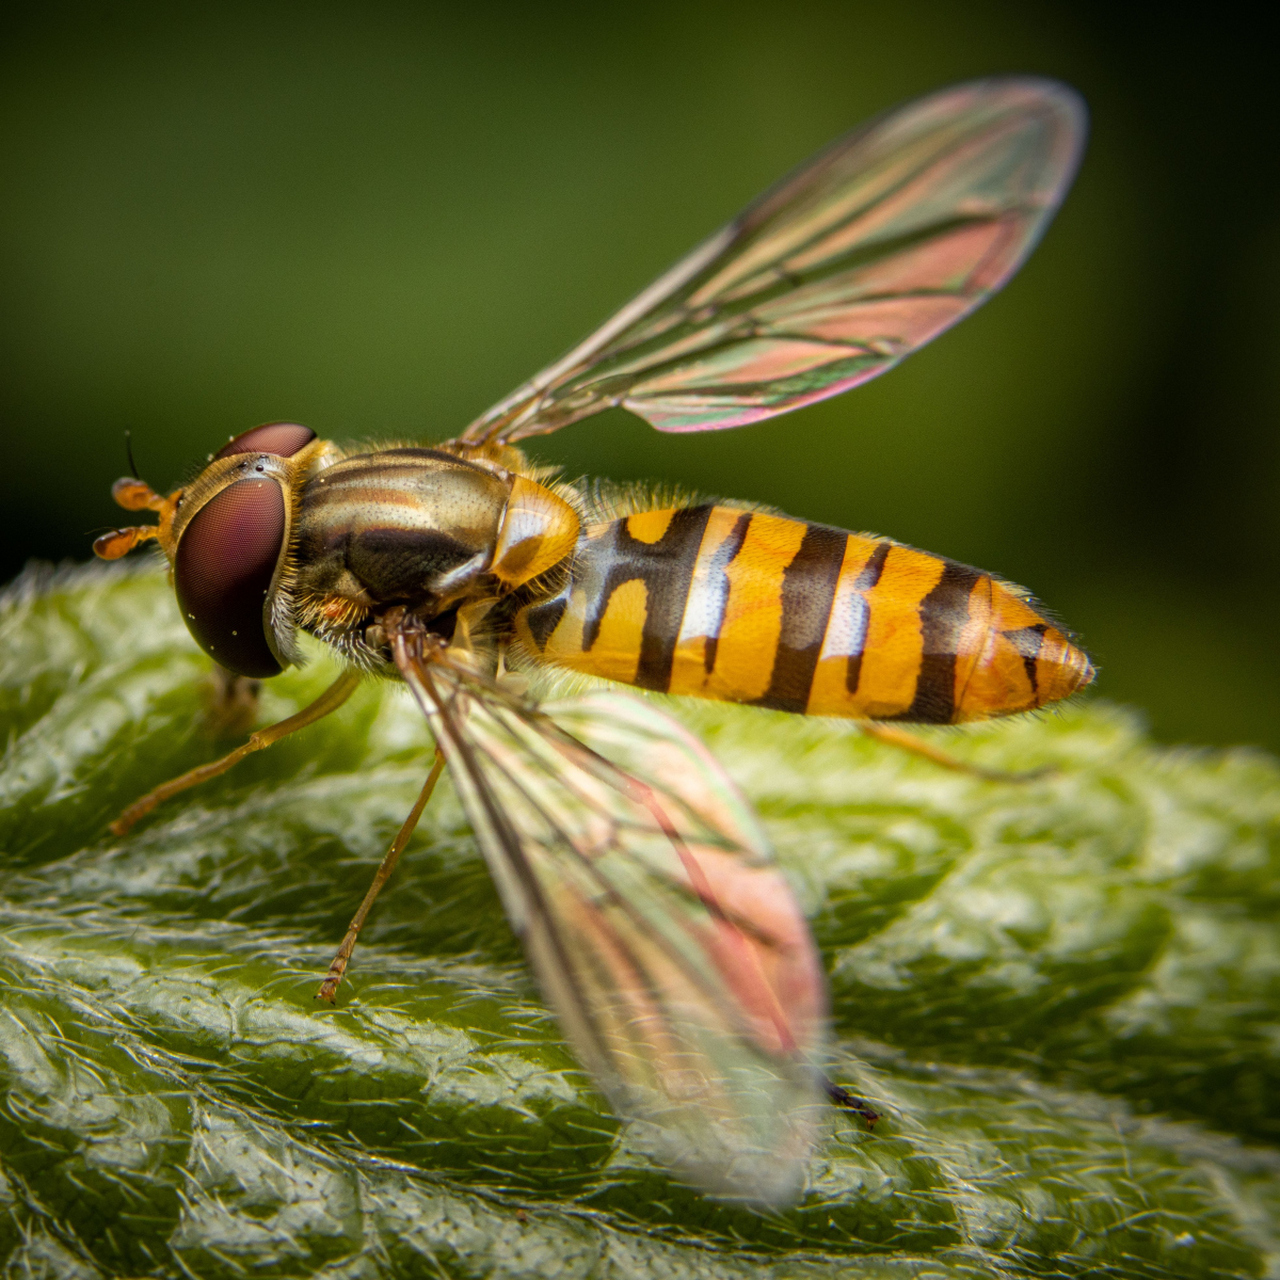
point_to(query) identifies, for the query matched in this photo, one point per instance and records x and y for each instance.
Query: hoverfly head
(227, 536)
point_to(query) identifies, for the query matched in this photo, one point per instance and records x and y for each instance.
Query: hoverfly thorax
(435, 532)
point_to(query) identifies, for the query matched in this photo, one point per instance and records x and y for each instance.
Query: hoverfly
(682, 971)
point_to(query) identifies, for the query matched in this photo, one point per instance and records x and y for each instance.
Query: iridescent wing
(668, 943)
(877, 245)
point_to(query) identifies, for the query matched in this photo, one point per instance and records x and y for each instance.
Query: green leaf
(1063, 994)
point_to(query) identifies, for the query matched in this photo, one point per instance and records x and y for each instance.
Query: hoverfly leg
(900, 738)
(329, 987)
(842, 1098)
(330, 700)
(232, 703)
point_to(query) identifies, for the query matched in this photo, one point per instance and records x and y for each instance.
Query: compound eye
(222, 572)
(284, 439)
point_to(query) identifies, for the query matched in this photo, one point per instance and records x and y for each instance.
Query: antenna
(128, 448)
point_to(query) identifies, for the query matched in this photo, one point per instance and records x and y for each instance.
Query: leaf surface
(1063, 995)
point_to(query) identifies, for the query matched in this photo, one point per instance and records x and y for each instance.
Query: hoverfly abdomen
(620, 614)
(745, 606)
(922, 639)
(1024, 661)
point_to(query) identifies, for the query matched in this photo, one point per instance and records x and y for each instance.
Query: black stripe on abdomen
(1028, 641)
(944, 613)
(666, 569)
(808, 592)
(544, 617)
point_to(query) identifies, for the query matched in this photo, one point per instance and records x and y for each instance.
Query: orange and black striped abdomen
(744, 606)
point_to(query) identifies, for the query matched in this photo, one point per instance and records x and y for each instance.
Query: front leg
(330, 700)
(231, 703)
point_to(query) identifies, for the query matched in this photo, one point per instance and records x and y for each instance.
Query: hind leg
(329, 987)
(895, 737)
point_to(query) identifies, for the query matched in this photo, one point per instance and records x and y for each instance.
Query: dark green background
(376, 219)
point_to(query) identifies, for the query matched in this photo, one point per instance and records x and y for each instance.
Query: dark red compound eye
(284, 439)
(222, 571)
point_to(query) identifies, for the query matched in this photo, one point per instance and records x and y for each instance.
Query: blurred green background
(376, 219)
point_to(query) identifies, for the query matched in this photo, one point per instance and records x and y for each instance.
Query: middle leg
(329, 987)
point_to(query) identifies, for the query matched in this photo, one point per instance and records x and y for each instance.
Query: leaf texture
(1062, 996)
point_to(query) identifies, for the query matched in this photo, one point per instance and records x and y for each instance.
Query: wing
(642, 886)
(877, 245)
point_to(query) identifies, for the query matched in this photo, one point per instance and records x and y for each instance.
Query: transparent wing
(643, 888)
(877, 245)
